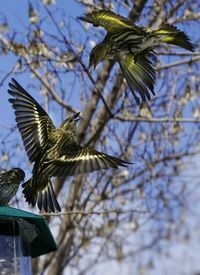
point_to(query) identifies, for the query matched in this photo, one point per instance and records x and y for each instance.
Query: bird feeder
(23, 235)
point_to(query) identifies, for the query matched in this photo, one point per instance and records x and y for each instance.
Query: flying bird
(54, 151)
(133, 48)
(9, 183)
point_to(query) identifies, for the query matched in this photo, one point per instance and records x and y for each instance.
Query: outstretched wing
(81, 160)
(33, 122)
(110, 21)
(139, 72)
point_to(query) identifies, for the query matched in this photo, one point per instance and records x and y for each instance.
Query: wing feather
(81, 161)
(33, 122)
(139, 72)
(110, 21)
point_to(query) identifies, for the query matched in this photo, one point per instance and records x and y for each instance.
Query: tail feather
(29, 193)
(53, 197)
(172, 35)
(45, 199)
(40, 200)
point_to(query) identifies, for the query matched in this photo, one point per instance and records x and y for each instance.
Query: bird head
(91, 18)
(97, 55)
(18, 173)
(76, 117)
(70, 122)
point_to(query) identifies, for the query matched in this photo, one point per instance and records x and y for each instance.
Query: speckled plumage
(133, 48)
(9, 184)
(54, 151)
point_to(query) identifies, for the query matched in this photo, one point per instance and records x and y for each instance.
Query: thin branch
(80, 61)
(178, 53)
(178, 63)
(54, 95)
(105, 212)
(159, 119)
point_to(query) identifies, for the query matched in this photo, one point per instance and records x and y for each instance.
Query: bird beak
(92, 65)
(22, 176)
(76, 117)
(85, 19)
(21, 173)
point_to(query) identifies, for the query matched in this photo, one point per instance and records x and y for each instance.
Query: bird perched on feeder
(9, 184)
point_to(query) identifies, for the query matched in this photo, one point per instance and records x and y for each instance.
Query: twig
(159, 119)
(78, 212)
(80, 61)
(54, 95)
(178, 63)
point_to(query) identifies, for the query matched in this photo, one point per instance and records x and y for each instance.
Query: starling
(132, 47)
(9, 183)
(54, 151)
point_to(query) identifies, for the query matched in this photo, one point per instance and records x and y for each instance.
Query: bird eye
(71, 120)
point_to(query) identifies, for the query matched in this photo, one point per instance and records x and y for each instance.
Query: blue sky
(17, 17)
(16, 12)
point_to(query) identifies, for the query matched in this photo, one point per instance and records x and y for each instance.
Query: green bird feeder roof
(31, 227)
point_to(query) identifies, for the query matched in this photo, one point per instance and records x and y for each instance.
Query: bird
(54, 151)
(132, 47)
(9, 183)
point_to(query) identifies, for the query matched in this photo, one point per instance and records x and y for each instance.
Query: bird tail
(45, 199)
(172, 35)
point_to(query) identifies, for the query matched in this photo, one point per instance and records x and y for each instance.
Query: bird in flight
(54, 151)
(133, 48)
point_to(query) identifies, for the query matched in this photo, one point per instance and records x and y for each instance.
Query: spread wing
(81, 160)
(139, 72)
(110, 21)
(33, 122)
